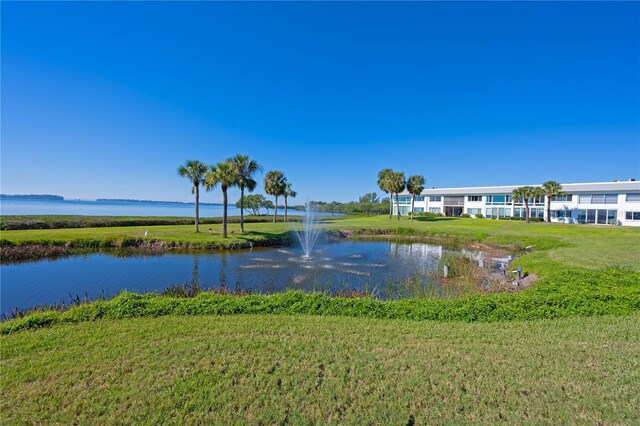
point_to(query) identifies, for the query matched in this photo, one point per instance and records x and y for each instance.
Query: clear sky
(105, 100)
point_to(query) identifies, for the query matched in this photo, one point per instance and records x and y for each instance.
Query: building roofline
(628, 185)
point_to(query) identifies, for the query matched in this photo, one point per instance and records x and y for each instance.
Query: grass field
(141, 363)
(555, 245)
(264, 369)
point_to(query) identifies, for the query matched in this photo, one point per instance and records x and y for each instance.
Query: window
(418, 209)
(403, 199)
(632, 215)
(498, 200)
(582, 216)
(435, 199)
(420, 198)
(612, 217)
(498, 212)
(591, 216)
(633, 197)
(598, 199)
(561, 214)
(474, 211)
(602, 217)
(434, 210)
(567, 197)
(453, 201)
(474, 198)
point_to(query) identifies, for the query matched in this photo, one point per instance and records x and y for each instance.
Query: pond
(381, 268)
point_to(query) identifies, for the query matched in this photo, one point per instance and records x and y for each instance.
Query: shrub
(560, 294)
(479, 215)
(465, 215)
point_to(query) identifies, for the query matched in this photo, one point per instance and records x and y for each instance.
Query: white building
(612, 203)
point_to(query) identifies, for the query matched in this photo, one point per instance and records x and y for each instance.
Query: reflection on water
(384, 269)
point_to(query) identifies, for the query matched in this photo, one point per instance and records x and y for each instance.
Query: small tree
(368, 202)
(415, 186)
(275, 185)
(253, 203)
(526, 193)
(384, 183)
(195, 171)
(551, 188)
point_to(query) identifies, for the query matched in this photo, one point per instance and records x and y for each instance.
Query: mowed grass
(554, 245)
(582, 246)
(169, 233)
(263, 369)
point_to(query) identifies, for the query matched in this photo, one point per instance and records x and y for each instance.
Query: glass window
(567, 197)
(632, 216)
(420, 198)
(435, 198)
(418, 209)
(611, 198)
(591, 216)
(612, 217)
(434, 209)
(602, 217)
(597, 199)
(582, 216)
(474, 198)
(584, 199)
(633, 197)
(474, 211)
(498, 199)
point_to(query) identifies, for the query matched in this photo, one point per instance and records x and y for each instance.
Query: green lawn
(555, 245)
(264, 369)
(97, 364)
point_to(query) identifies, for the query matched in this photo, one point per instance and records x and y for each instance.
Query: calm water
(369, 266)
(9, 206)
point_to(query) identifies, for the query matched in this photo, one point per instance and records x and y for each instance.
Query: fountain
(309, 233)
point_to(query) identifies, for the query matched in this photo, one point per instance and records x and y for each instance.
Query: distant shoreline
(33, 196)
(47, 197)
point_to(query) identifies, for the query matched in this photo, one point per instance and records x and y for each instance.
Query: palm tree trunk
(413, 197)
(548, 208)
(526, 210)
(390, 205)
(398, 204)
(224, 213)
(242, 209)
(197, 206)
(285, 208)
(275, 211)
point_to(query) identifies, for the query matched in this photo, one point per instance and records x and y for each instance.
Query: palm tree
(383, 183)
(551, 188)
(245, 170)
(224, 174)
(415, 186)
(288, 192)
(397, 184)
(526, 193)
(275, 184)
(195, 171)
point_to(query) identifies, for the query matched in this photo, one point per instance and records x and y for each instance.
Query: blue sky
(105, 100)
